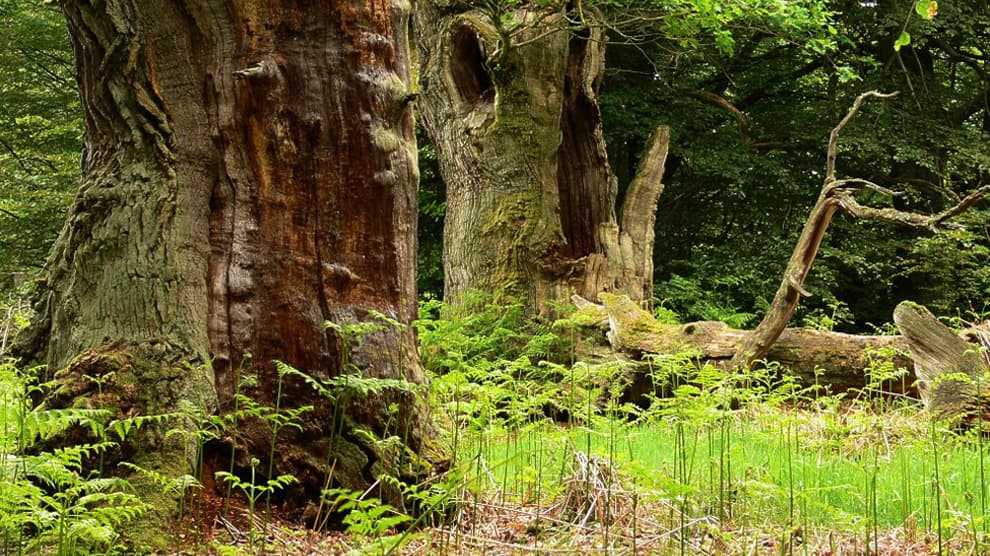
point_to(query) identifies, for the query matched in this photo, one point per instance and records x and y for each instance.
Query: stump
(951, 371)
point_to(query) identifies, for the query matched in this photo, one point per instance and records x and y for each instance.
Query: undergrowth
(714, 462)
(48, 498)
(550, 454)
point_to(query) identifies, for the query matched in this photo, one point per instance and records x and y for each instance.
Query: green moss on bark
(136, 380)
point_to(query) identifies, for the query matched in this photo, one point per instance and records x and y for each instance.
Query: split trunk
(953, 370)
(531, 200)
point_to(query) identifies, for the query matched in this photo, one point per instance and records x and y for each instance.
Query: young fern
(253, 490)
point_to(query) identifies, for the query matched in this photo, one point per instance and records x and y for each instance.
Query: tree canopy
(749, 88)
(747, 159)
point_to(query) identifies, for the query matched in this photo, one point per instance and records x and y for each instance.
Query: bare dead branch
(741, 121)
(932, 222)
(639, 209)
(889, 215)
(841, 184)
(833, 139)
(880, 176)
(835, 194)
(723, 103)
(964, 205)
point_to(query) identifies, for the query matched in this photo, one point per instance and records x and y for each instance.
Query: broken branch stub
(951, 371)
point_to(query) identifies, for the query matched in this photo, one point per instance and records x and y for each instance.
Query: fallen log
(834, 360)
(952, 372)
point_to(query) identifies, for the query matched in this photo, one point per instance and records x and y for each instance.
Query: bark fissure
(223, 216)
(324, 303)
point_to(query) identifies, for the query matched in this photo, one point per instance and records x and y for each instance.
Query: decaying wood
(638, 219)
(952, 371)
(833, 359)
(791, 290)
(532, 203)
(835, 194)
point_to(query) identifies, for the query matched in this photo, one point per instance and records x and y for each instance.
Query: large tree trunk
(249, 174)
(531, 200)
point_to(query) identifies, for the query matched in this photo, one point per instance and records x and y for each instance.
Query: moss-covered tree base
(159, 399)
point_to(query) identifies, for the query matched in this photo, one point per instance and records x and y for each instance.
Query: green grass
(758, 465)
(11, 389)
(862, 467)
(787, 460)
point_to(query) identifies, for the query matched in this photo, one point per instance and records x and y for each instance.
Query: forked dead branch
(835, 194)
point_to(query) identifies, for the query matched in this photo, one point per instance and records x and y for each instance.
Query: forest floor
(504, 529)
(549, 458)
(773, 480)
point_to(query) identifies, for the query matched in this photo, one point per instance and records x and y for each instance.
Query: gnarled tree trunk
(531, 200)
(249, 174)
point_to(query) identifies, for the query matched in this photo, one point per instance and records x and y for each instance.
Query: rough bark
(531, 199)
(952, 371)
(830, 359)
(249, 174)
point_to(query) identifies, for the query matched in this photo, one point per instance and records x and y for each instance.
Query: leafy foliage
(48, 498)
(479, 330)
(429, 229)
(739, 185)
(40, 132)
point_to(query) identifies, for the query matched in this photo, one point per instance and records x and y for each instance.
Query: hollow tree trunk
(530, 195)
(249, 174)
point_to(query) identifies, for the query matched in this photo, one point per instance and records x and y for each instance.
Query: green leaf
(927, 9)
(725, 42)
(903, 40)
